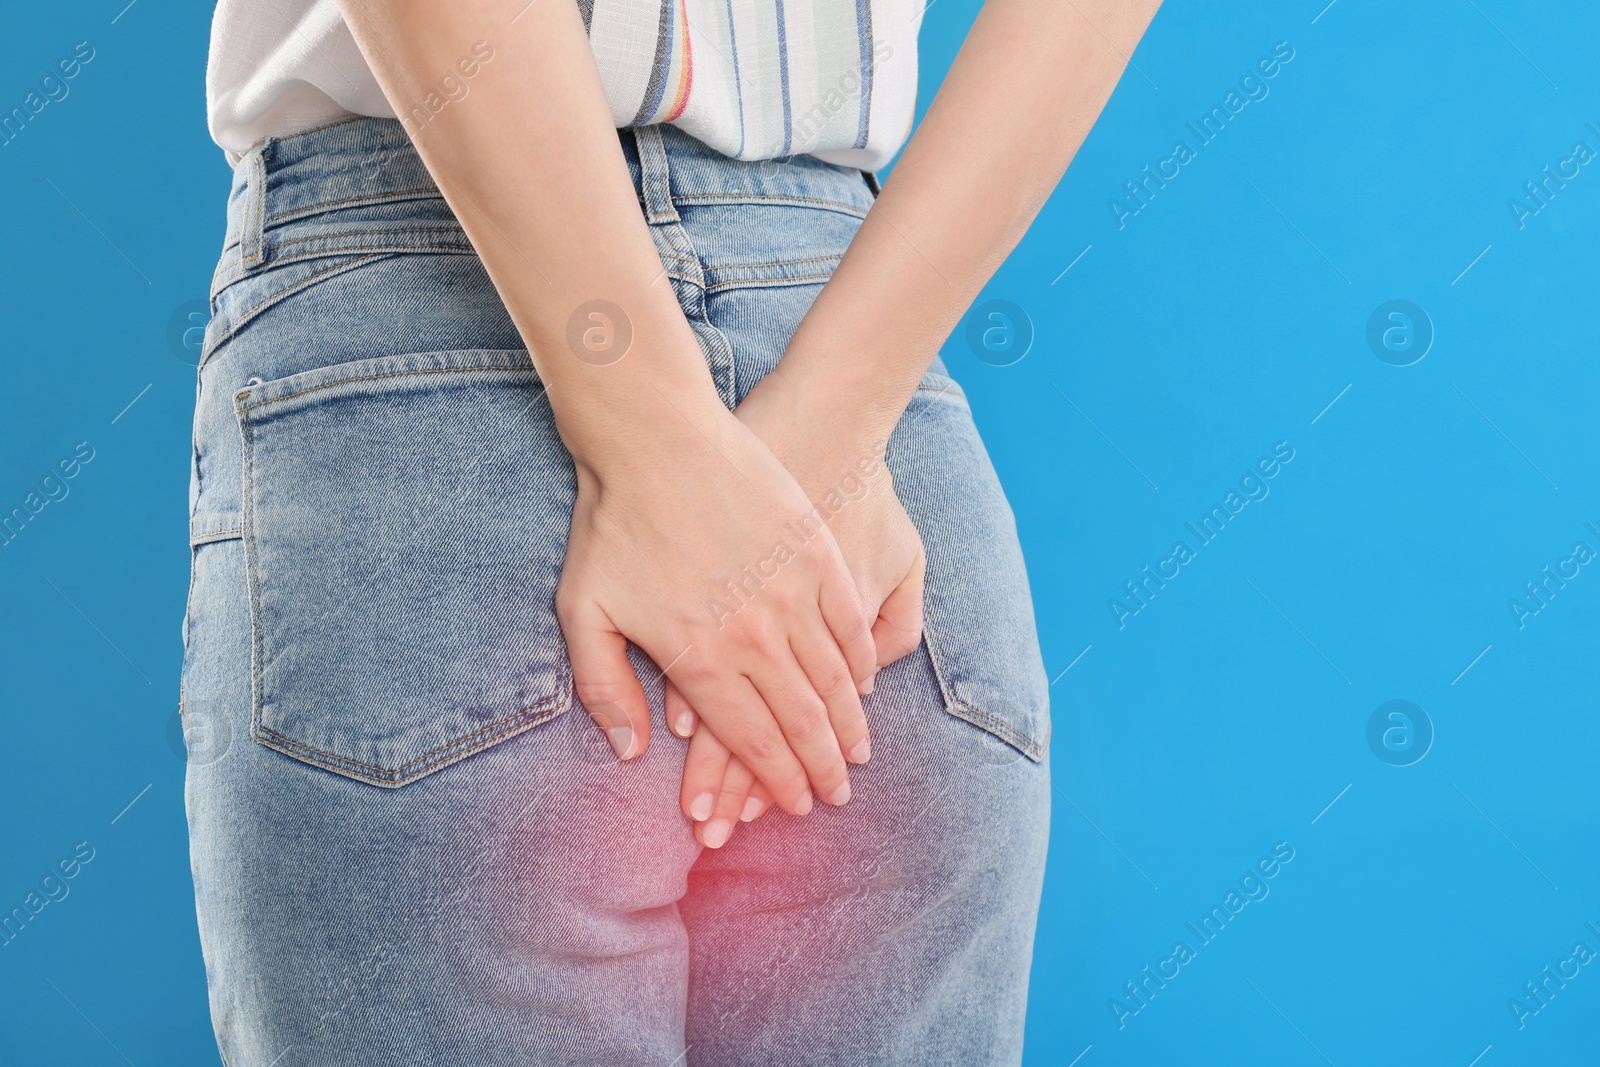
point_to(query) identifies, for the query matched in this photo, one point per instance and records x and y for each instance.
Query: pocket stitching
(370, 378)
(535, 714)
(954, 705)
(433, 231)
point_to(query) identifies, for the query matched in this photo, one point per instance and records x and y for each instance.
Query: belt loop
(655, 186)
(255, 196)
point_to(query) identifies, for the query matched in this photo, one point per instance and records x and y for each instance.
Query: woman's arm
(1023, 93)
(674, 493)
(1025, 89)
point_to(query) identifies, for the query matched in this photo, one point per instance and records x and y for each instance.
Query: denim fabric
(405, 850)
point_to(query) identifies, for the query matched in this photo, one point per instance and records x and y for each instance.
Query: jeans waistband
(282, 184)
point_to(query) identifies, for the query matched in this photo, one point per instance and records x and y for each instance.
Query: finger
(819, 657)
(681, 718)
(898, 630)
(747, 727)
(850, 624)
(756, 804)
(703, 772)
(604, 679)
(736, 783)
(803, 715)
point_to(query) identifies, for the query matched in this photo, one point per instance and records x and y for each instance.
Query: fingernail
(862, 752)
(866, 686)
(621, 738)
(840, 796)
(715, 833)
(752, 808)
(700, 807)
(803, 805)
(685, 724)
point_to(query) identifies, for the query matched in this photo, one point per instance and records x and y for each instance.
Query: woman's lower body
(405, 850)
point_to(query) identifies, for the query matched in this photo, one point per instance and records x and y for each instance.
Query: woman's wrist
(830, 439)
(617, 433)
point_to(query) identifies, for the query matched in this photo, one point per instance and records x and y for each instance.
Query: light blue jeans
(406, 849)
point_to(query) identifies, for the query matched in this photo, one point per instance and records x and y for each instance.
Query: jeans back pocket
(978, 620)
(405, 521)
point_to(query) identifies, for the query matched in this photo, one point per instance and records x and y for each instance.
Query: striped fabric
(763, 79)
(754, 79)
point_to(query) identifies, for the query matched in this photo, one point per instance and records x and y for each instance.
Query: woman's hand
(719, 792)
(841, 467)
(698, 546)
(851, 487)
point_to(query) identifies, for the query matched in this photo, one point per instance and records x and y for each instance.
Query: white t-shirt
(754, 79)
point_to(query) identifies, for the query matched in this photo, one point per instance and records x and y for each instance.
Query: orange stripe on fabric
(686, 74)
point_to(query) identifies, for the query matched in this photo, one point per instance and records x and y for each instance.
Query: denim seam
(216, 535)
(372, 377)
(246, 317)
(778, 262)
(753, 283)
(722, 356)
(1001, 727)
(222, 281)
(445, 229)
(692, 199)
(398, 773)
(655, 176)
(251, 579)
(312, 209)
(963, 710)
(254, 211)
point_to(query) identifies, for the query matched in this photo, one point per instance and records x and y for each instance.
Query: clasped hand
(769, 614)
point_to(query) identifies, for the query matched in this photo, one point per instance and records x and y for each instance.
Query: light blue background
(1221, 719)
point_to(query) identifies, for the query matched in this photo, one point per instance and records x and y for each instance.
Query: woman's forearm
(529, 161)
(1023, 93)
